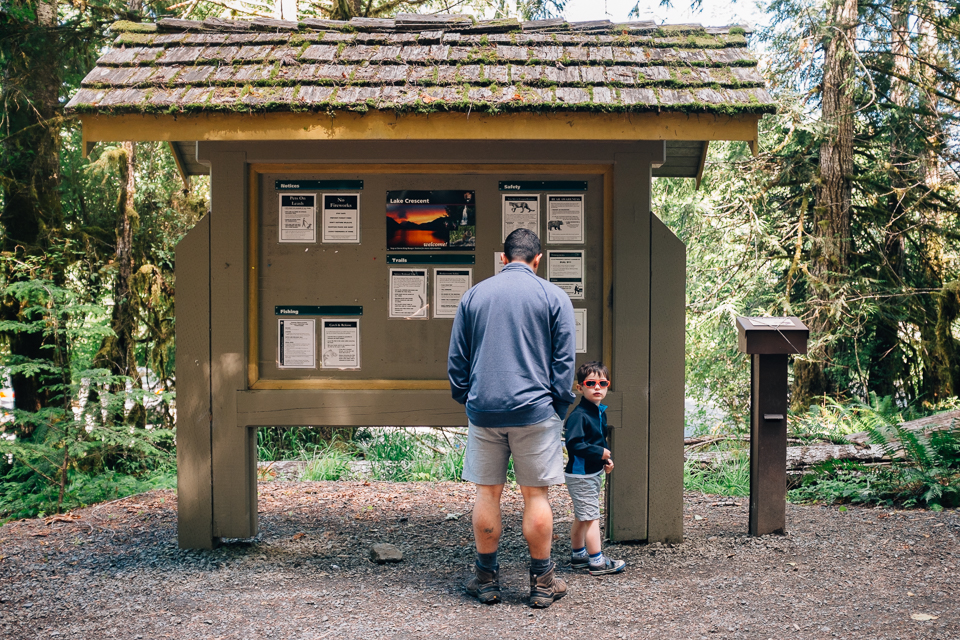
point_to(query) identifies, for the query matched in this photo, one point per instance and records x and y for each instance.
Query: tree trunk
(939, 349)
(118, 352)
(830, 251)
(31, 212)
(887, 368)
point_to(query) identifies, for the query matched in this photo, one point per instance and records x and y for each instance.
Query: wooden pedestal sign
(769, 341)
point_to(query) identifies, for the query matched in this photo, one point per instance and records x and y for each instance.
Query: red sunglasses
(603, 384)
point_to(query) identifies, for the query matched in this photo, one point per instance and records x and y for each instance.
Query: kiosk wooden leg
(194, 453)
(768, 444)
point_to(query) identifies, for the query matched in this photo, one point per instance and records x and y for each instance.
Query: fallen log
(798, 458)
(801, 458)
(937, 422)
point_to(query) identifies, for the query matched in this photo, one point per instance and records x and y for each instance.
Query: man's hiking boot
(579, 562)
(546, 588)
(608, 566)
(484, 585)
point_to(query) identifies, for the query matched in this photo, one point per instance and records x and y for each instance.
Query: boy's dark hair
(522, 244)
(588, 368)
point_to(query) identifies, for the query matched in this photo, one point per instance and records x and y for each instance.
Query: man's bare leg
(487, 524)
(537, 521)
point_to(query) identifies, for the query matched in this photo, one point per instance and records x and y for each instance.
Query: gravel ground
(114, 571)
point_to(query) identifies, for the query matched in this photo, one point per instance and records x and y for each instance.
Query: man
(511, 361)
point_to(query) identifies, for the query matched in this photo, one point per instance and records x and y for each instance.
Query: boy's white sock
(597, 560)
(580, 553)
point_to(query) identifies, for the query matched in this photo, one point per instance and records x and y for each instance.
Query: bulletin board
(346, 280)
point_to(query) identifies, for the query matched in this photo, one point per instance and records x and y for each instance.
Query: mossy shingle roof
(423, 63)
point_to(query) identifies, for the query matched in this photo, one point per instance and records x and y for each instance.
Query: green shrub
(79, 447)
(289, 443)
(451, 464)
(730, 478)
(925, 468)
(328, 464)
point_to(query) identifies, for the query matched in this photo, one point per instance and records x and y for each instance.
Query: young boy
(586, 435)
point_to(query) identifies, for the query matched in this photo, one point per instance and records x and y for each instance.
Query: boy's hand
(606, 454)
(608, 465)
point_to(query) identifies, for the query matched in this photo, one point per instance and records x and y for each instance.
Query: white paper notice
(297, 344)
(565, 219)
(498, 262)
(408, 293)
(565, 269)
(449, 285)
(580, 316)
(298, 217)
(339, 343)
(341, 218)
(521, 212)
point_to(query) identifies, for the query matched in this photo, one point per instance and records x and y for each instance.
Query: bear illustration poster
(565, 219)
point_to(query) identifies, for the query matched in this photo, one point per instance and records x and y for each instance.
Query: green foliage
(279, 443)
(389, 454)
(843, 481)
(731, 270)
(731, 478)
(832, 421)
(328, 463)
(925, 470)
(28, 499)
(530, 9)
(70, 452)
(406, 456)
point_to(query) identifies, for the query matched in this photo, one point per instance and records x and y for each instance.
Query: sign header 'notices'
(318, 185)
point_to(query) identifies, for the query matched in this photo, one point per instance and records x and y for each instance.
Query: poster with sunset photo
(431, 220)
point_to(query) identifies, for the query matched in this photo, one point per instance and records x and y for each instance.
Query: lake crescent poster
(431, 220)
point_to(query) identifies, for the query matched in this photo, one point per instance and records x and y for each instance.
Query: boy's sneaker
(546, 588)
(608, 566)
(484, 585)
(579, 562)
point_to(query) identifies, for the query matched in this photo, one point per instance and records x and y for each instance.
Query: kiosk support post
(768, 444)
(769, 341)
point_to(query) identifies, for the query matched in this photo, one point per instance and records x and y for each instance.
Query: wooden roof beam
(377, 125)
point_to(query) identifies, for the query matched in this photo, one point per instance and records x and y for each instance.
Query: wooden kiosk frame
(643, 290)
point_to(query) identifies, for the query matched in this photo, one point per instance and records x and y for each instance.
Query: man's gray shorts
(536, 448)
(585, 495)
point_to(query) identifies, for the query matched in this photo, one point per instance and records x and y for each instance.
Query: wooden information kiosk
(364, 174)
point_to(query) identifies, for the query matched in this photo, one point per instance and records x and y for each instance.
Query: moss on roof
(423, 64)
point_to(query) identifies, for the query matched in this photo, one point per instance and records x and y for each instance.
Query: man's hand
(606, 454)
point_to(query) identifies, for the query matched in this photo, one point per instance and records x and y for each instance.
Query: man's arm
(458, 357)
(563, 329)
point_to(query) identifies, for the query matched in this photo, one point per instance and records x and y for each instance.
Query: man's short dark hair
(589, 368)
(522, 244)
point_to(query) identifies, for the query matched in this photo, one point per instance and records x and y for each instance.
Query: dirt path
(115, 572)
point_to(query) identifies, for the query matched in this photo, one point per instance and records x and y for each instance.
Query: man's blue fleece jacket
(586, 435)
(512, 350)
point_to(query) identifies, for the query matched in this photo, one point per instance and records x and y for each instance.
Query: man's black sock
(538, 567)
(488, 561)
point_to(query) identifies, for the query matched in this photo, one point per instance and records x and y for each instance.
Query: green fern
(925, 468)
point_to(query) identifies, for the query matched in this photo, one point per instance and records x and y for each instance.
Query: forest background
(846, 218)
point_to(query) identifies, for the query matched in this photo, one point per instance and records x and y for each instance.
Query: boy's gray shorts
(536, 448)
(585, 494)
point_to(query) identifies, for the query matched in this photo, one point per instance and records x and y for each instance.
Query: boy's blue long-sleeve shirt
(512, 350)
(586, 435)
